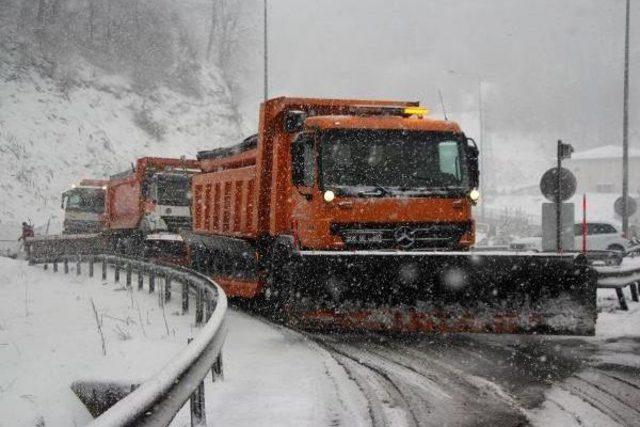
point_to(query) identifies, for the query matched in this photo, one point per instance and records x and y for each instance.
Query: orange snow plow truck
(148, 205)
(353, 214)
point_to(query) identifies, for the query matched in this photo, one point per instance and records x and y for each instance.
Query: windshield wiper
(383, 191)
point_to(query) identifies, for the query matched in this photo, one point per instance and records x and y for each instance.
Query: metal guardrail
(158, 400)
(619, 277)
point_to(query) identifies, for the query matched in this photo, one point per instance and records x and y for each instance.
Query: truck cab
(151, 197)
(84, 206)
(170, 195)
(381, 178)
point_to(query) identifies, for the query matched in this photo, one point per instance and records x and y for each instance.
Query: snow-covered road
(490, 380)
(49, 338)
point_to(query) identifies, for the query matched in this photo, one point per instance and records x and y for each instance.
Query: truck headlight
(474, 195)
(328, 196)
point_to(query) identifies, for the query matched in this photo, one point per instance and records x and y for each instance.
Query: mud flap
(497, 292)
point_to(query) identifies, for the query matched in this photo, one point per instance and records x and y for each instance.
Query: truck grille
(402, 236)
(177, 223)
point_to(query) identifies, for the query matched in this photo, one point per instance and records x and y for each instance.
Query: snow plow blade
(497, 292)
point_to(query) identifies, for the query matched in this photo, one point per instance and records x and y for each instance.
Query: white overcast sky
(551, 68)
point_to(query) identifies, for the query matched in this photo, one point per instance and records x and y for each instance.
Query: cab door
(303, 181)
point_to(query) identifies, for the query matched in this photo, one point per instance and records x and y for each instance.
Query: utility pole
(625, 129)
(483, 153)
(266, 54)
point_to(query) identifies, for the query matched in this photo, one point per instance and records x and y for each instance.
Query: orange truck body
(250, 195)
(127, 201)
(246, 192)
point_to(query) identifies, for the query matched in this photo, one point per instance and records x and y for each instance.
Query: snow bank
(277, 377)
(48, 339)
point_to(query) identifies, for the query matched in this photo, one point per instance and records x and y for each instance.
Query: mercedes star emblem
(404, 237)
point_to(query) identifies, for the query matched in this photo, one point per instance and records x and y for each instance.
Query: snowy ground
(48, 339)
(276, 376)
(53, 134)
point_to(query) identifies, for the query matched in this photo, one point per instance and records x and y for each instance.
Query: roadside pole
(558, 201)
(625, 129)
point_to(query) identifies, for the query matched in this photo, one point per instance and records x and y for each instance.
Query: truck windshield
(85, 200)
(173, 189)
(384, 162)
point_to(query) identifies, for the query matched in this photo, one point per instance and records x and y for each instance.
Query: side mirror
(294, 120)
(303, 160)
(297, 162)
(472, 163)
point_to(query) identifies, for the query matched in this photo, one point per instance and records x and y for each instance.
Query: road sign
(632, 206)
(564, 150)
(549, 184)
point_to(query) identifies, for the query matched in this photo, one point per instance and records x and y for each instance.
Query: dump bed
(124, 202)
(224, 199)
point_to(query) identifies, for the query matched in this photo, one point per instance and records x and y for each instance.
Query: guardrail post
(116, 273)
(66, 265)
(55, 265)
(140, 280)
(199, 305)
(152, 281)
(210, 308)
(91, 261)
(198, 413)
(104, 269)
(185, 297)
(128, 270)
(634, 292)
(78, 268)
(167, 287)
(216, 369)
(623, 302)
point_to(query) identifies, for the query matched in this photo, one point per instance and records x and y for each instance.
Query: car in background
(601, 236)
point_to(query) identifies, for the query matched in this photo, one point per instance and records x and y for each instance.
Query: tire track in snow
(430, 394)
(471, 379)
(484, 380)
(610, 397)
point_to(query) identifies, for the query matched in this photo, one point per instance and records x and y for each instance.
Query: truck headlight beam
(474, 195)
(328, 196)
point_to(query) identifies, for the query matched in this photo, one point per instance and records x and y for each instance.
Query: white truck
(84, 206)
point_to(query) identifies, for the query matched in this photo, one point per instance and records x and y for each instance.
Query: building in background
(599, 170)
